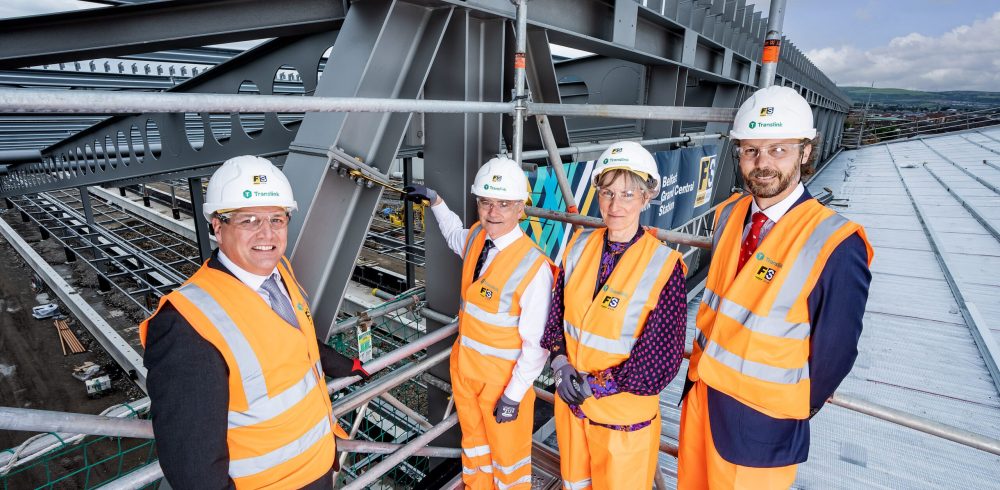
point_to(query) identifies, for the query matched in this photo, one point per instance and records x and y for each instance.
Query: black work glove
(419, 193)
(570, 385)
(505, 410)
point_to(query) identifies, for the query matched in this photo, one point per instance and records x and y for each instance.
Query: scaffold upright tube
(772, 43)
(520, 89)
(590, 221)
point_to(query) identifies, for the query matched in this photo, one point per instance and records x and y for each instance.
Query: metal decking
(917, 352)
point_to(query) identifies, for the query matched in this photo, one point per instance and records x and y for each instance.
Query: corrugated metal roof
(917, 354)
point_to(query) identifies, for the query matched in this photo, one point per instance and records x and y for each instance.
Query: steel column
(201, 225)
(152, 26)
(385, 49)
(88, 211)
(408, 224)
(469, 68)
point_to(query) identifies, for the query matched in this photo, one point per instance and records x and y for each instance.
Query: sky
(912, 44)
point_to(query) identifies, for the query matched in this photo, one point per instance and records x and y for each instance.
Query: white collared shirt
(774, 212)
(253, 281)
(534, 302)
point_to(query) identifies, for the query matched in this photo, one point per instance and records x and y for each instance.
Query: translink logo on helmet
(501, 178)
(795, 113)
(227, 187)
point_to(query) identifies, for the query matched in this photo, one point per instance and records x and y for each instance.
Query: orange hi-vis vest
(601, 330)
(489, 343)
(281, 421)
(753, 328)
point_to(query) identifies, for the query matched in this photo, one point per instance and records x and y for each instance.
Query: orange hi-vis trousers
(493, 455)
(591, 456)
(700, 466)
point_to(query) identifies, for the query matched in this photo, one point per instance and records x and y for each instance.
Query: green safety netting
(89, 463)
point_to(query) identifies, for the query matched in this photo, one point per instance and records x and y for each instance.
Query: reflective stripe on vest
(469, 240)
(774, 323)
(239, 468)
(501, 318)
(497, 319)
(633, 309)
(573, 256)
(720, 224)
(506, 354)
(260, 407)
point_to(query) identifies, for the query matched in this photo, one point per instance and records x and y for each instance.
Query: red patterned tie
(752, 239)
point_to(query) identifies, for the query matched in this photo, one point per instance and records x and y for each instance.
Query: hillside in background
(906, 99)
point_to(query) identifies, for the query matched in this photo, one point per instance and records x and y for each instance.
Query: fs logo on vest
(486, 292)
(764, 273)
(610, 302)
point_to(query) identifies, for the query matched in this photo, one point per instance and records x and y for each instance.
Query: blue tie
(279, 303)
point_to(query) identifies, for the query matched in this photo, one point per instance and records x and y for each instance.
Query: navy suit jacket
(747, 437)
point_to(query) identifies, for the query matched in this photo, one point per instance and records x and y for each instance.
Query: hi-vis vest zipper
(488, 342)
(600, 331)
(281, 421)
(753, 328)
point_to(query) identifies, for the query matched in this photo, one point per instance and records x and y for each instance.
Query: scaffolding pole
(577, 150)
(520, 91)
(99, 102)
(549, 141)
(590, 221)
(916, 422)
(42, 443)
(386, 383)
(411, 449)
(396, 356)
(772, 43)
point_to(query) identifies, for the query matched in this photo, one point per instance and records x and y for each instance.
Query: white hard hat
(247, 181)
(774, 112)
(627, 155)
(501, 178)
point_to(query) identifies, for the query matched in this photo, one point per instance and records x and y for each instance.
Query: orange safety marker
(519, 60)
(771, 49)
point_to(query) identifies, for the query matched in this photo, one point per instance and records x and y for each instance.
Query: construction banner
(661, 212)
(693, 190)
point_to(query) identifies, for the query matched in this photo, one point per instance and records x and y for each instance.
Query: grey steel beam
(385, 49)
(469, 68)
(159, 25)
(162, 143)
